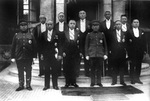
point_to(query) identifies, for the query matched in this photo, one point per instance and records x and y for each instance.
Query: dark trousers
(50, 65)
(70, 68)
(135, 69)
(24, 65)
(96, 65)
(118, 67)
(41, 65)
(86, 66)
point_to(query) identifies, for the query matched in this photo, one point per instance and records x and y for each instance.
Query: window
(29, 10)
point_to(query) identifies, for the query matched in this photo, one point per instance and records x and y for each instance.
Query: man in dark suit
(71, 54)
(60, 29)
(118, 53)
(136, 48)
(48, 53)
(125, 28)
(38, 31)
(83, 25)
(107, 27)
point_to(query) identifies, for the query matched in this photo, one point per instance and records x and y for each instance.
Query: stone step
(35, 71)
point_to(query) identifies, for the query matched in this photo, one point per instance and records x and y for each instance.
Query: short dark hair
(123, 15)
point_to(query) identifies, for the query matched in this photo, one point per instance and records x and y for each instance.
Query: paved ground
(9, 82)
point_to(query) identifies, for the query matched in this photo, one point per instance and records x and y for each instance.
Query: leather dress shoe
(29, 88)
(20, 88)
(138, 81)
(92, 85)
(40, 75)
(67, 85)
(113, 83)
(122, 83)
(132, 82)
(99, 84)
(45, 88)
(75, 85)
(56, 87)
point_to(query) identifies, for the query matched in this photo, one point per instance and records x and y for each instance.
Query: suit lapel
(122, 36)
(76, 35)
(67, 35)
(39, 30)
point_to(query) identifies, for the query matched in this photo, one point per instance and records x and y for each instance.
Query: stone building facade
(12, 11)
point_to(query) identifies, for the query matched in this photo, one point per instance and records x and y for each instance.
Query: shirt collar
(61, 22)
(82, 20)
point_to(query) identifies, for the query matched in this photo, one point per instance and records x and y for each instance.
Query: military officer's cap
(23, 22)
(95, 22)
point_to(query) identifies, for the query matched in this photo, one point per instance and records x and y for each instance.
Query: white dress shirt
(61, 26)
(124, 27)
(71, 34)
(82, 25)
(136, 32)
(108, 23)
(49, 35)
(118, 32)
(43, 28)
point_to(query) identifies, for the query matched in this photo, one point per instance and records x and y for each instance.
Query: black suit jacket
(71, 47)
(107, 32)
(60, 36)
(48, 47)
(136, 46)
(83, 35)
(38, 36)
(118, 49)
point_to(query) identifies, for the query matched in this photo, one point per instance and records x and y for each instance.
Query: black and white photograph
(74, 50)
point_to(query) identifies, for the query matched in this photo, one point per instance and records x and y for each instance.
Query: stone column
(118, 8)
(59, 7)
(47, 8)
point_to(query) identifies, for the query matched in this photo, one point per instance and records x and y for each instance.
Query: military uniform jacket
(23, 46)
(95, 45)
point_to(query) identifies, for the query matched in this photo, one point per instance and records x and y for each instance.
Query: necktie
(49, 36)
(71, 34)
(118, 36)
(124, 28)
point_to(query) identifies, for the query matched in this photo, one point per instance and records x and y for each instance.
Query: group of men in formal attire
(63, 45)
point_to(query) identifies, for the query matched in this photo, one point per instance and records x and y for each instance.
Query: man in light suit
(60, 29)
(118, 53)
(38, 31)
(107, 27)
(136, 49)
(48, 53)
(83, 25)
(70, 53)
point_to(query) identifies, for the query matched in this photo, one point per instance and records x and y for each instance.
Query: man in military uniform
(23, 52)
(96, 52)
